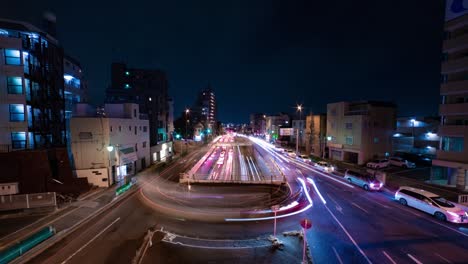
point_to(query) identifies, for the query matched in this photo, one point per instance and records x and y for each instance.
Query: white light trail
(316, 189)
(304, 188)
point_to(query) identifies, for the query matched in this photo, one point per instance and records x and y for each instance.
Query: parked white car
(290, 153)
(378, 163)
(400, 162)
(304, 158)
(432, 204)
(324, 166)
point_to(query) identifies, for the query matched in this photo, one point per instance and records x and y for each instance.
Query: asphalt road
(350, 225)
(355, 226)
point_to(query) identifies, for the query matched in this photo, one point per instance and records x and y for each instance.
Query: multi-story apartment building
(451, 164)
(416, 135)
(32, 109)
(298, 126)
(315, 134)
(204, 109)
(258, 124)
(273, 125)
(360, 131)
(148, 89)
(108, 148)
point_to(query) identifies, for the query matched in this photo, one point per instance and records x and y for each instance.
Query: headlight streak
(304, 188)
(316, 189)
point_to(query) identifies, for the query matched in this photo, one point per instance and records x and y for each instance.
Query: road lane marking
(444, 259)
(349, 236)
(360, 208)
(337, 255)
(379, 203)
(90, 241)
(325, 175)
(389, 258)
(414, 259)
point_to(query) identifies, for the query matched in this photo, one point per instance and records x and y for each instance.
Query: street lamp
(110, 148)
(299, 108)
(187, 111)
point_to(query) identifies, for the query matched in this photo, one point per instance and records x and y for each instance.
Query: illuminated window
(12, 57)
(349, 140)
(454, 144)
(18, 140)
(15, 85)
(16, 112)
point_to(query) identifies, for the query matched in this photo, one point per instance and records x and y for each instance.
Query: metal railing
(463, 199)
(25, 201)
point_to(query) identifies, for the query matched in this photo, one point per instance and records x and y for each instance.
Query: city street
(349, 225)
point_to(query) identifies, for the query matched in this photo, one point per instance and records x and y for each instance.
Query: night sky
(262, 55)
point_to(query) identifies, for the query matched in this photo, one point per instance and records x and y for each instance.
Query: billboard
(455, 8)
(286, 131)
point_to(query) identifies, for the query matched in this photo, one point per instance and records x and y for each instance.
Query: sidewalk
(73, 215)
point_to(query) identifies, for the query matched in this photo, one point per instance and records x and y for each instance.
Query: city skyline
(269, 55)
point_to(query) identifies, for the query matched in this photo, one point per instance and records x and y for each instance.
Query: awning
(128, 155)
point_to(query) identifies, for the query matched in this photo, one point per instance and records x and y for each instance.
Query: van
(366, 181)
(432, 204)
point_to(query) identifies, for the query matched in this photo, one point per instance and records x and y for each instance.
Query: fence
(463, 199)
(25, 201)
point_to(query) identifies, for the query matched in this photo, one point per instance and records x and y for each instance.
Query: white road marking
(325, 175)
(337, 255)
(444, 259)
(389, 258)
(90, 241)
(414, 259)
(360, 208)
(374, 201)
(349, 236)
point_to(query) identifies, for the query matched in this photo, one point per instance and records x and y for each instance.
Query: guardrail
(26, 201)
(463, 199)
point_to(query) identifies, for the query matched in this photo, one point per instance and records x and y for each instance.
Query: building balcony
(453, 130)
(457, 87)
(453, 109)
(456, 44)
(455, 65)
(452, 156)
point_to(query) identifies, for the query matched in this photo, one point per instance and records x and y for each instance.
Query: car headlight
(453, 214)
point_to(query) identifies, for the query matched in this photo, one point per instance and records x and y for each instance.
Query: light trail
(316, 189)
(304, 189)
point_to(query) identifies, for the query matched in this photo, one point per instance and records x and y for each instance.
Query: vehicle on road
(378, 164)
(290, 153)
(432, 204)
(324, 166)
(366, 181)
(400, 162)
(304, 158)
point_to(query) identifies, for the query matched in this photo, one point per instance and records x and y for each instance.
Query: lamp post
(299, 108)
(110, 148)
(187, 111)
(412, 130)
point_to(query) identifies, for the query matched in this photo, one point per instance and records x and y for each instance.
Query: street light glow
(110, 148)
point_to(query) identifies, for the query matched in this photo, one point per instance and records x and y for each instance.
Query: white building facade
(111, 148)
